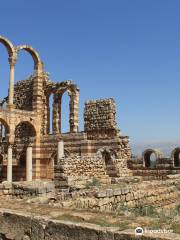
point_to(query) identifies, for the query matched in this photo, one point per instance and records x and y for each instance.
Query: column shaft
(60, 149)
(29, 164)
(9, 165)
(11, 85)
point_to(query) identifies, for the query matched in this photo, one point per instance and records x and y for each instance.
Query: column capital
(29, 145)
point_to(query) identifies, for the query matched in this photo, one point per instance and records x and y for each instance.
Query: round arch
(175, 156)
(33, 53)
(9, 46)
(25, 129)
(147, 157)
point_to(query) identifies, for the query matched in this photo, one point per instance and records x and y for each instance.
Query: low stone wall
(154, 193)
(18, 226)
(26, 189)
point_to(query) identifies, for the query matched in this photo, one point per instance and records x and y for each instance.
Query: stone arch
(25, 130)
(73, 92)
(109, 157)
(175, 156)
(36, 58)
(147, 154)
(9, 46)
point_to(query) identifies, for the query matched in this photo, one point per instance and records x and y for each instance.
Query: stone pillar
(60, 149)
(9, 164)
(29, 163)
(47, 115)
(38, 80)
(56, 113)
(74, 102)
(12, 62)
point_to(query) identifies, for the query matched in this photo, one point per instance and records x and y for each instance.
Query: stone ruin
(41, 164)
(30, 151)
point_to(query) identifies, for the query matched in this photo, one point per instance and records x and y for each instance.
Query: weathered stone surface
(17, 226)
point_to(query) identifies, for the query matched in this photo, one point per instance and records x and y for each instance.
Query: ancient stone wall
(99, 118)
(159, 194)
(162, 168)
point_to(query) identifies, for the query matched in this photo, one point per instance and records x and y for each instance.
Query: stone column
(56, 113)
(12, 62)
(60, 149)
(74, 102)
(29, 163)
(9, 164)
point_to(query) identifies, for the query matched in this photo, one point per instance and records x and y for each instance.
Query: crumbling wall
(76, 170)
(99, 118)
(23, 94)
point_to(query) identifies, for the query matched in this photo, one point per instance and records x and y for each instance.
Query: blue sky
(126, 49)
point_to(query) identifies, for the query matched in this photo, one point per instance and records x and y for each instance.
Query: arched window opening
(65, 113)
(150, 159)
(109, 159)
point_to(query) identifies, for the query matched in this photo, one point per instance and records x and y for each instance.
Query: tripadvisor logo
(139, 231)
